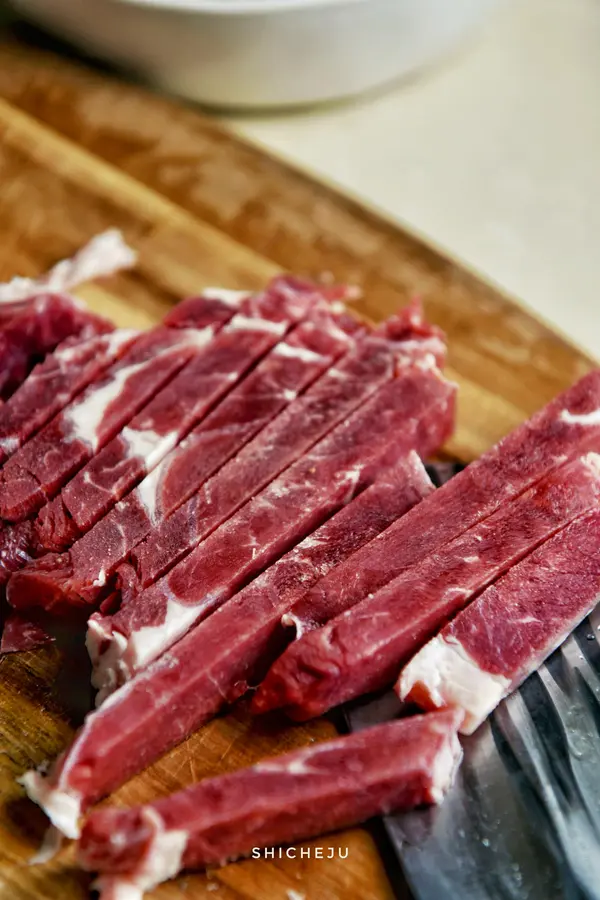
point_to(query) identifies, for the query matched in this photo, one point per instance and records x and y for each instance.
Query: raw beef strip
(54, 382)
(283, 290)
(27, 338)
(207, 312)
(36, 315)
(104, 255)
(21, 634)
(363, 648)
(510, 629)
(210, 665)
(566, 427)
(219, 658)
(166, 419)
(40, 468)
(81, 574)
(330, 785)
(332, 399)
(401, 417)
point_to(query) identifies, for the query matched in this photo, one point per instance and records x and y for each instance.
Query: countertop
(494, 156)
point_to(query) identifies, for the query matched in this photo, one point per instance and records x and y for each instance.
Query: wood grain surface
(80, 152)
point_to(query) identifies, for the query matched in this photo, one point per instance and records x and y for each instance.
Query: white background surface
(494, 156)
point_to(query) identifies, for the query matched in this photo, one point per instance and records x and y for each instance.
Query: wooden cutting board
(80, 153)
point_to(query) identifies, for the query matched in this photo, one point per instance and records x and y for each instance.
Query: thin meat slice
(291, 367)
(565, 428)
(212, 371)
(221, 657)
(293, 364)
(20, 634)
(55, 382)
(491, 647)
(103, 255)
(364, 648)
(81, 575)
(377, 360)
(48, 320)
(213, 663)
(330, 785)
(410, 413)
(36, 314)
(291, 506)
(39, 469)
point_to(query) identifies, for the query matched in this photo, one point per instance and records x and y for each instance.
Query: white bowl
(263, 53)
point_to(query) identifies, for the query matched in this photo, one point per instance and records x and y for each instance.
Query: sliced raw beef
(510, 629)
(219, 658)
(19, 634)
(410, 413)
(364, 648)
(292, 366)
(39, 469)
(376, 360)
(166, 419)
(36, 315)
(565, 428)
(104, 255)
(81, 574)
(27, 338)
(55, 382)
(211, 665)
(330, 785)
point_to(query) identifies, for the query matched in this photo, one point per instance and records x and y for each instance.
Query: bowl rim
(233, 7)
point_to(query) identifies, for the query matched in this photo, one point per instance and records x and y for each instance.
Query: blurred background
(474, 123)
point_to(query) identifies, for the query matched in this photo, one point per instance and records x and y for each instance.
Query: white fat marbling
(592, 461)
(149, 642)
(298, 766)
(114, 341)
(448, 676)
(445, 768)
(196, 337)
(105, 664)
(292, 352)
(62, 808)
(591, 418)
(148, 445)
(249, 323)
(147, 491)
(9, 444)
(100, 580)
(124, 655)
(289, 620)
(226, 295)
(86, 415)
(96, 633)
(104, 255)
(162, 861)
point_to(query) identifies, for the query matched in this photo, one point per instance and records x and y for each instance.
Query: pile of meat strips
(235, 500)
